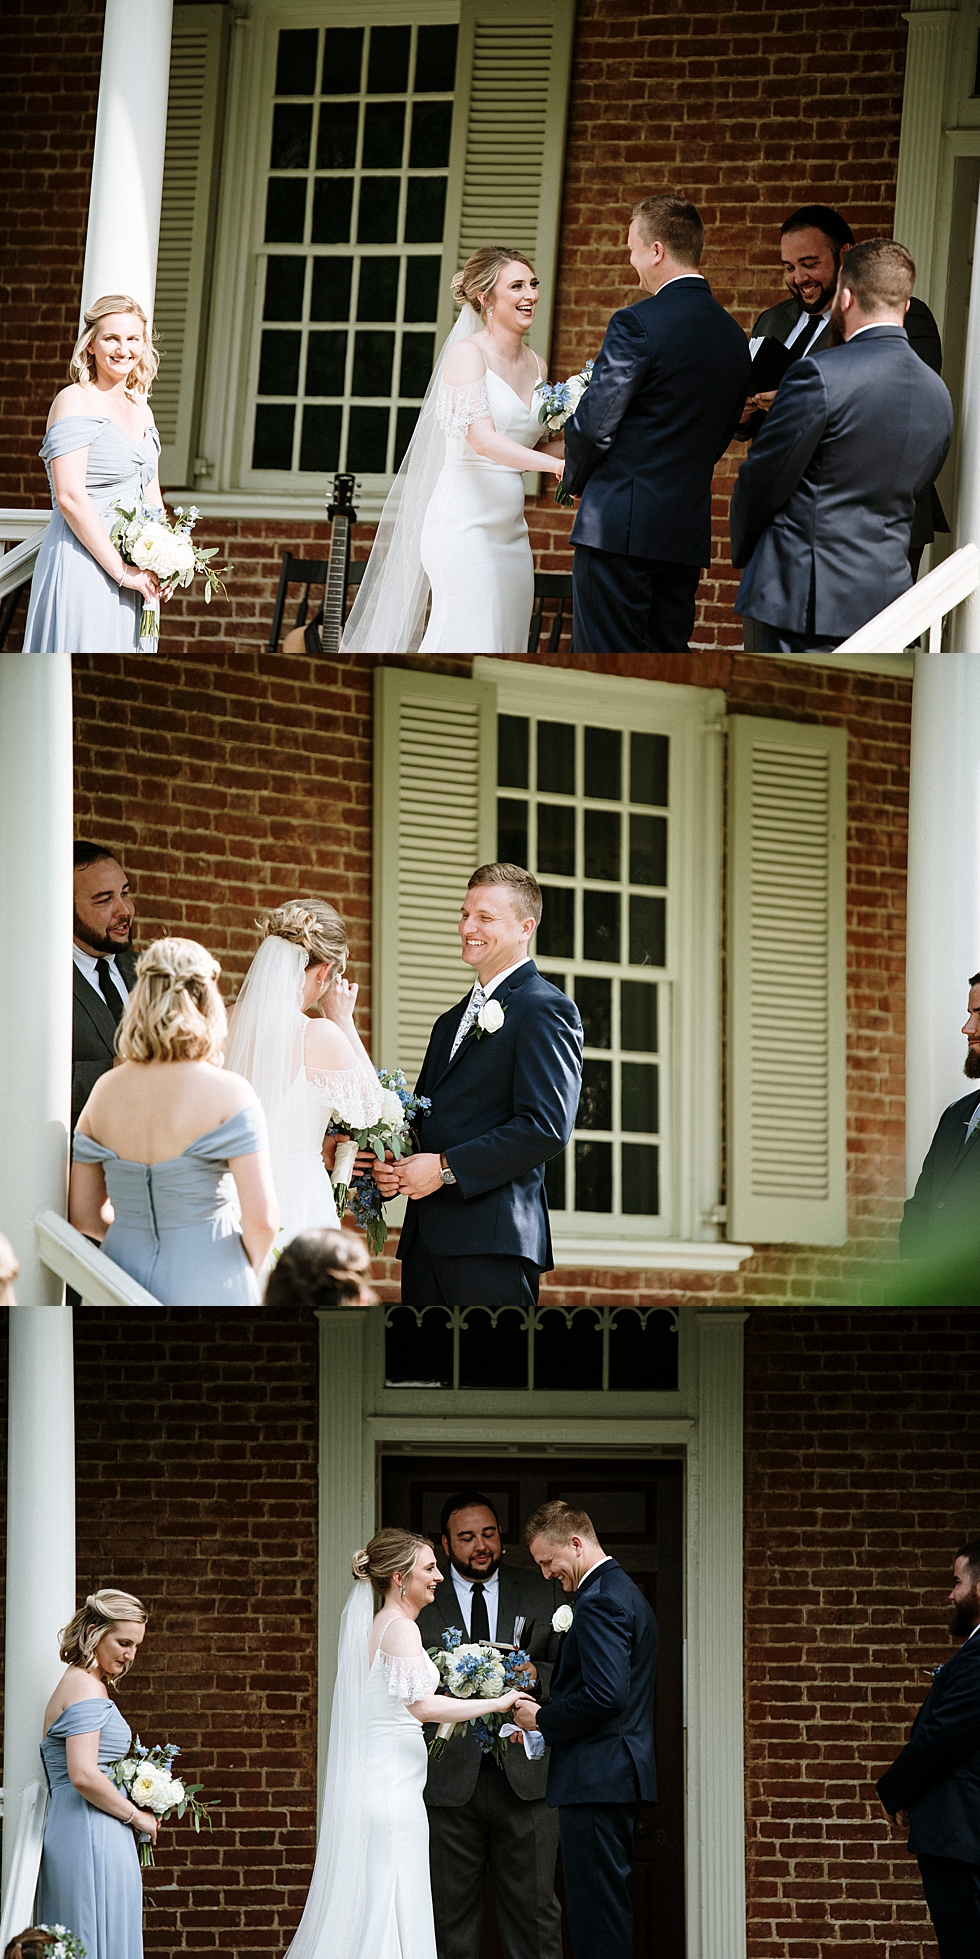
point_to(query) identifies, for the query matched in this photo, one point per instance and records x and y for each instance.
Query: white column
(965, 628)
(920, 149)
(943, 931)
(36, 969)
(40, 1535)
(127, 168)
(343, 1528)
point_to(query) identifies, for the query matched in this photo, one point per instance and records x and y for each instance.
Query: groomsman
(104, 965)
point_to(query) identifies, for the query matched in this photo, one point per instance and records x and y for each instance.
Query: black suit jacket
(93, 1033)
(942, 1217)
(453, 1777)
(822, 510)
(599, 1722)
(666, 393)
(502, 1106)
(937, 1775)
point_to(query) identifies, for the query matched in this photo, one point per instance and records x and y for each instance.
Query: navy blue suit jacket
(666, 394)
(599, 1720)
(822, 511)
(937, 1775)
(502, 1106)
(942, 1217)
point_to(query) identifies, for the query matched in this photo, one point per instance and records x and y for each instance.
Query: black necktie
(479, 1617)
(109, 992)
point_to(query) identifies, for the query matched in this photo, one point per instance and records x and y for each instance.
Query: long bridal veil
(388, 615)
(265, 1040)
(330, 1927)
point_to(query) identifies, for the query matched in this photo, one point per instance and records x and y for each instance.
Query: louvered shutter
(434, 806)
(185, 222)
(505, 170)
(786, 983)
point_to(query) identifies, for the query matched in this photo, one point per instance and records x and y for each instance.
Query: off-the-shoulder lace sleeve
(409, 1678)
(350, 1093)
(456, 408)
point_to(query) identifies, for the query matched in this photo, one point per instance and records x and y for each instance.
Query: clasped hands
(413, 1176)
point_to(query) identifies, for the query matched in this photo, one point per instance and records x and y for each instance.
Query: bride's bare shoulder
(325, 1047)
(464, 363)
(401, 1638)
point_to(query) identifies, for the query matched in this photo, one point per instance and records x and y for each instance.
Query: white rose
(576, 389)
(490, 1017)
(561, 1619)
(143, 1788)
(176, 1790)
(392, 1112)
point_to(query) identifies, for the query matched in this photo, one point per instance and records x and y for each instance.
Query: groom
(503, 1070)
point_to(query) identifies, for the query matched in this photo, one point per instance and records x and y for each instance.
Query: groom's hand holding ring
(525, 1713)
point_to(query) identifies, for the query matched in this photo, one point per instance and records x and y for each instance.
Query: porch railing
(25, 1863)
(922, 609)
(95, 1278)
(23, 529)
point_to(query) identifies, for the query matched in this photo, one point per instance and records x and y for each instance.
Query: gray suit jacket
(452, 1779)
(93, 1034)
(822, 511)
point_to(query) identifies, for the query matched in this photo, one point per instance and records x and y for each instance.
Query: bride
(370, 1895)
(454, 520)
(302, 1069)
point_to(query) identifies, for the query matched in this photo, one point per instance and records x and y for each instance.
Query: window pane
(422, 288)
(512, 750)
(404, 429)
(641, 1180)
(603, 765)
(367, 440)
(296, 63)
(568, 1351)
(425, 211)
(432, 125)
(342, 48)
(595, 1102)
(377, 217)
(388, 60)
(332, 200)
(493, 1356)
(600, 925)
(556, 757)
(418, 350)
(593, 1176)
(602, 853)
(330, 299)
(648, 850)
(593, 998)
(292, 127)
(373, 357)
(556, 839)
(648, 931)
(419, 1356)
(273, 444)
(326, 354)
(377, 289)
(435, 60)
(284, 278)
(641, 1097)
(511, 831)
(336, 137)
(320, 441)
(285, 210)
(638, 1017)
(641, 1357)
(279, 364)
(556, 932)
(384, 135)
(554, 1176)
(649, 756)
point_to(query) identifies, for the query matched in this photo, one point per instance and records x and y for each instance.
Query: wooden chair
(548, 585)
(307, 572)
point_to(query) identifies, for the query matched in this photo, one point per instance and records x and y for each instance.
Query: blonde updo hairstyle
(314, 926)
(175, 1012)
(389, 1551)
(474, 285)
(82, 368)
(100, 1613)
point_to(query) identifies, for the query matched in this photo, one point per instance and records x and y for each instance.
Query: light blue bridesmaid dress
(75, 606)
(90, 1875)
(175, 1230)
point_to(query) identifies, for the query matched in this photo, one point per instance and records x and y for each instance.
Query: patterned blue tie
(476, 1000)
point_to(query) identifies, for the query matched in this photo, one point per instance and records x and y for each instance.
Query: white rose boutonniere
(561, 1619)
(490, 1018)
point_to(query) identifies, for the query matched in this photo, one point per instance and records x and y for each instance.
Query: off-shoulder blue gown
(75, 606)
(175, 1230)
(90, 1875)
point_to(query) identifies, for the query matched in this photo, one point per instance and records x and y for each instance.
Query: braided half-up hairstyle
(314, 926)
(100, 1613)
(175, 1012)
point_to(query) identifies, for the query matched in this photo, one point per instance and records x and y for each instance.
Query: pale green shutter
(505, 170)
(185, 225)
(787, 1142)
(434, 807)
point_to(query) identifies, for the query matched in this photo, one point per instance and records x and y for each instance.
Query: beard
(964, 1618)
(97, 942)
(971, 1066)
(471, 1572)
(836, 334)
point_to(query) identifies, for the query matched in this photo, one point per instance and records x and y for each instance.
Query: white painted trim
(15, 524)
(650, 1254)
(254, 506)
(341, 1527)
(897, 666)
(17, 566)
(96, 1278)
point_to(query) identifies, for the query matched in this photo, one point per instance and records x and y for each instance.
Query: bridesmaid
(90, 1876)
(101, 448)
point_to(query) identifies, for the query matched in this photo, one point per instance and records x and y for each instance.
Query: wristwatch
(445, 1172)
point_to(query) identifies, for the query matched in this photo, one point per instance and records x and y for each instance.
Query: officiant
(481, 1815)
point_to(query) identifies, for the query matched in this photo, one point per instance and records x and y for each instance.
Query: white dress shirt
(492, 985)
(805, 320)
(85, 961)
(464, 1593)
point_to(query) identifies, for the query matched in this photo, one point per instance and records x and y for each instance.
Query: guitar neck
(334, 591)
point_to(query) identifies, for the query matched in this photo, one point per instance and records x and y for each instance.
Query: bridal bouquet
(476, 1670)
(557, 400)
(392, 1131)
(62, 1944)
(145, 538)
(146, 1777)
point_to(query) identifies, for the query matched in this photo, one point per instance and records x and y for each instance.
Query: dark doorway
(636, 1507)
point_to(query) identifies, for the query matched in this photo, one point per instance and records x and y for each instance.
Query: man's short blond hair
(879, 273)
(558, 1522)
(525, 889)
(673, 221)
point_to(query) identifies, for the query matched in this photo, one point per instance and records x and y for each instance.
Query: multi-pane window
(586, 808)
(612, 1349)
(352, 254)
